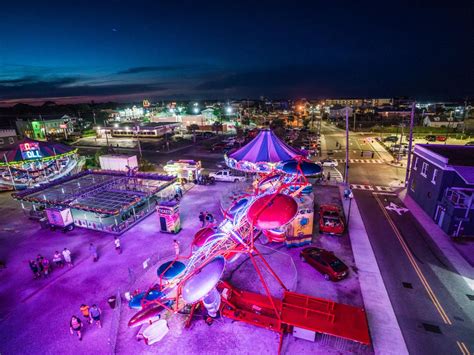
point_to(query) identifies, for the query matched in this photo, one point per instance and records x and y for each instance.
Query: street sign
(395, 208)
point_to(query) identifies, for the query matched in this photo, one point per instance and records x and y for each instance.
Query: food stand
(184, 170)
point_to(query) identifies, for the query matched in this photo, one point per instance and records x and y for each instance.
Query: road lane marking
(412, 260)
(394, 207)
(463, 348)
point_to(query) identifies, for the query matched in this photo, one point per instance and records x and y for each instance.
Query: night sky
(130, 50)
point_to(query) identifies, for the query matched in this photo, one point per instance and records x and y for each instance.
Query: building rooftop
(458, 155)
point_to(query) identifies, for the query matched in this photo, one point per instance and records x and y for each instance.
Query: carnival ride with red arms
(196, 278)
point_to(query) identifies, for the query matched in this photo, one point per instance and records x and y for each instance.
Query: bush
(145, 165)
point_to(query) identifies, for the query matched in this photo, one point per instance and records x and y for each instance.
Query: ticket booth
(168, 214)
(300, 231)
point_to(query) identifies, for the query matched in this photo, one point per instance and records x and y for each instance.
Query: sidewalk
(381, 151)
(460, 256)
(386, 335)
(324, 149)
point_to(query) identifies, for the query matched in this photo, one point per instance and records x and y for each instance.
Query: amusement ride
(265, 211)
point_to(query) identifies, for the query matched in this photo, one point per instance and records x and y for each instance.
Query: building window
(424, 169)
(435, 174)
(413, 185)
(11, 140)
(1, 141)
(415, 166)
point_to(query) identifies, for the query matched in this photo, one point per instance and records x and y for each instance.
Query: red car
(331, 220)
(325, 262)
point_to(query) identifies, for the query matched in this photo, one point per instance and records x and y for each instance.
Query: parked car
(441, 138)
(226, 175)
(331, 220)
(391, 139)
(471, 143)
(396, 147)
(430, 138)
(325, 262)
(329, 162)
(218, 147)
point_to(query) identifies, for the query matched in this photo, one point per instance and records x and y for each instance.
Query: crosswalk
(372, 188)
(364, 161)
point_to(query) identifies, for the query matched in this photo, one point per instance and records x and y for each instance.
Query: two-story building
(8, 138)
(442, 182)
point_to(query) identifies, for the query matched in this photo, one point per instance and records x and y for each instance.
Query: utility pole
(346, 172)
(354, 121)
(137, 127)
(93, 115)
(410, 142)
(400, 143)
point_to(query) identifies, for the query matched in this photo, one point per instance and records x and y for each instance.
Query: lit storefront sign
(30, 151)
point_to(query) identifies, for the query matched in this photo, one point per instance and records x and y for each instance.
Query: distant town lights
(228, 110)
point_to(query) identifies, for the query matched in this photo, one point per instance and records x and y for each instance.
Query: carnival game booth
(31, 163)
(185, 170)
(108, 201)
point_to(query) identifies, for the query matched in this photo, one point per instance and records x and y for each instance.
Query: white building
(8, 138)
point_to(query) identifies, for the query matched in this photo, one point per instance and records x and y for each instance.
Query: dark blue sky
(82, 50)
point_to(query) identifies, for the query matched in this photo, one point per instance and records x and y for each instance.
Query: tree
(145, 165)
(193, 128)
(217, 126)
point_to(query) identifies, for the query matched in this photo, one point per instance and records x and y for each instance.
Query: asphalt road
(210, 161)
(428, 296)
(366, 171)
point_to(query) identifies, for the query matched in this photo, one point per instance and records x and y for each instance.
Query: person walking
(95, 313)
(176, 247)
(93, 252)
(75, 325)
(209, 218)
(34, 269)
(202, 219)
(57, 259)
(118, 247)
(46, 266)
(329, 176)
(85, 312)
(67, 256)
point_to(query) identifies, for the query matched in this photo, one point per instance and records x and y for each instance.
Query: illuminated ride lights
(268, 209)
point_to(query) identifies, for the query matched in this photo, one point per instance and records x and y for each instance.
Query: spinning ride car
(31, 163)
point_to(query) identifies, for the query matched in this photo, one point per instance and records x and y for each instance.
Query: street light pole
(346, 172)
(410, 142)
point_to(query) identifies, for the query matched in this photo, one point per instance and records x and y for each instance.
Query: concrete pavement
(427, 294)
(384, 328)
(462, 261)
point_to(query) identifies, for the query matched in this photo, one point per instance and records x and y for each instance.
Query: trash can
(112, 301)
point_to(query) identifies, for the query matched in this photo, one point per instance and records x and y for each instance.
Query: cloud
(162, 68)
(34, 87)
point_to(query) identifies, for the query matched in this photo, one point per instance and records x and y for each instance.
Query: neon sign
(30, 151)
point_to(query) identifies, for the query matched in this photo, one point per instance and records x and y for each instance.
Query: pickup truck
(226, 175)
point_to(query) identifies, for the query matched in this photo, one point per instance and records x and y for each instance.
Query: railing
(114, 328)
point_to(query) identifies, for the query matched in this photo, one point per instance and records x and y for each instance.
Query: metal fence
(114, 329)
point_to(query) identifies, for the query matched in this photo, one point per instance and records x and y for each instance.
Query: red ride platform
(296, 310)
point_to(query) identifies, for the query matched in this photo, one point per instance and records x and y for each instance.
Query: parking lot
(27, 305)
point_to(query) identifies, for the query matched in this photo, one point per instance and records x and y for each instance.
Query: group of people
(91, 315)
(41, 266)
(206, 218)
